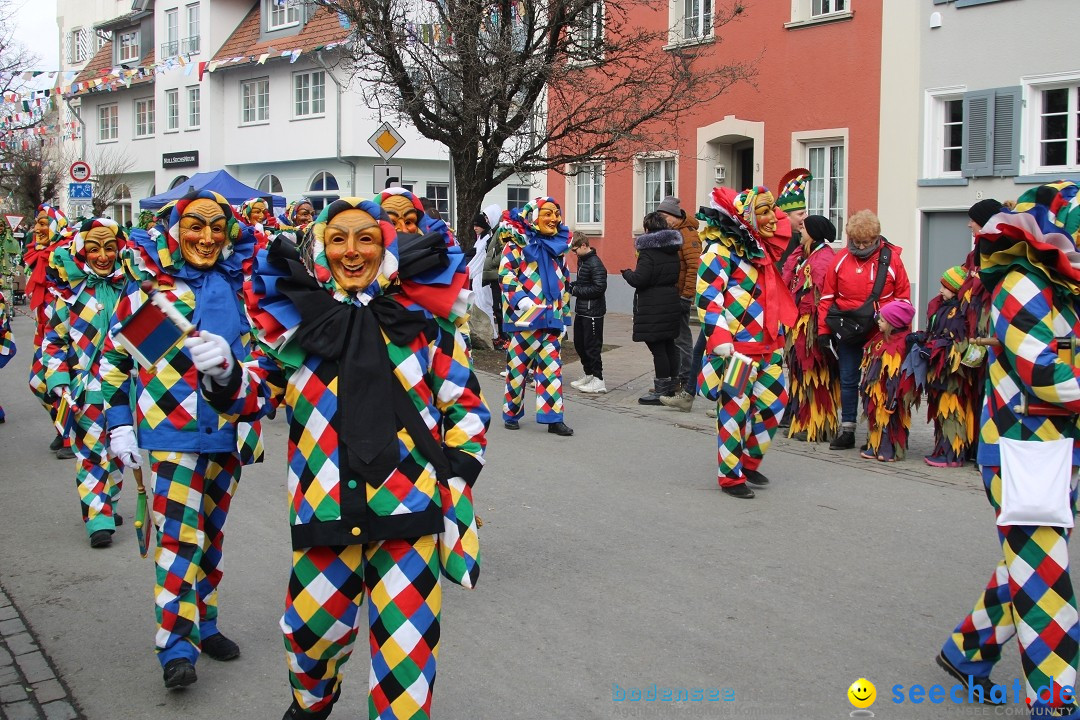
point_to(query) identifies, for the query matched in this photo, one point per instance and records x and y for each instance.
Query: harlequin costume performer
(89, 280)
(744, 307)
(364, 504)
(887, 391)
(257, 212)
(194, 256)
(49, 232)
(297, 215)
(1025, 263)
(7, 342)
(814, 401)
(533, 273)
(952, 392)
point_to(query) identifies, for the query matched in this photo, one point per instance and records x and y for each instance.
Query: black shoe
(975, 682)
(560, 428)
(753, 476)
(219, 647)
(511, 425)
(179, 673)
(65, 453)
(118, 519)
(295, 712)
(739, 491)
(101, 538)
(845, 440)
(56, 444)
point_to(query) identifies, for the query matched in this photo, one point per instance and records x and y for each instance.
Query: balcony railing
(189, 46)
(168, 49)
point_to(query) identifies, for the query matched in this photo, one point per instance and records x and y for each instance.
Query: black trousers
(665, 357)
(588, 344)
(496, 307)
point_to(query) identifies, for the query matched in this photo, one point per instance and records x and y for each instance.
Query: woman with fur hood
(656, 302)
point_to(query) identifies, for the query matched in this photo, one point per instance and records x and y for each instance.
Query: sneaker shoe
(969, 681)
(101, 538)
(219, 647)
(596, 385)
(710, 412)
(560, 428)
(179, 673)
(754, 477)
(503, 373)
(584, 380)
(511, 425)
(739, 491)
(682, 400)
(844, 440)
(56, 444)
(65, 453)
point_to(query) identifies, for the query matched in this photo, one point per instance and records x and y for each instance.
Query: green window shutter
(976, 158)
(1006, 149)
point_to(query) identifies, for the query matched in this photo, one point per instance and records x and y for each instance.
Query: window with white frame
(659, 181)
(281, 14)
(144, 117)
(129, 46)
(827, 7)
(516, 197)
(1058, 128)
(171, 46)
(944, 130)
(172, 110)
(269, 183)
(587, 33)
(439, 194)
(587, 180)
(194, 107)
(108, 122)
(102, 38)
(122, 207)
(80, 45)
(255, 100)
(322, 190)
(826, 195)
(697, 19)
(309, 94)
(190, 44)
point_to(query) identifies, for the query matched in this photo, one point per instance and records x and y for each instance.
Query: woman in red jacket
(848, 285)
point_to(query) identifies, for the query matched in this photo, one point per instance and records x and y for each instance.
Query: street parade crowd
(165, 347)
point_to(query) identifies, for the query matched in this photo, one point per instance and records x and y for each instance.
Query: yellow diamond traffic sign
(386, 141)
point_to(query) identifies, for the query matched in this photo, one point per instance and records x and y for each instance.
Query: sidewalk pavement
(30, 688)
(628, 374)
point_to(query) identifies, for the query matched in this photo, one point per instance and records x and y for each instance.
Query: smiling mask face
(764, 209)
(100, 249)
(548, 219)
(353, 245)
(202, 233)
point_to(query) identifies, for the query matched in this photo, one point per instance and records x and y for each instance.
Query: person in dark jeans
(590, 307)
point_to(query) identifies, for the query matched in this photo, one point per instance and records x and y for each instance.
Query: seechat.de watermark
(662, 693)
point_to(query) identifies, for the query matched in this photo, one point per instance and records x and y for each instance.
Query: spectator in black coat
(589, 309)
(656, 302)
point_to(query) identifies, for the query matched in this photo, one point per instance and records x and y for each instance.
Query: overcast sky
(35, 29)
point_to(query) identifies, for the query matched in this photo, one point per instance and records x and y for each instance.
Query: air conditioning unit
(719, 174)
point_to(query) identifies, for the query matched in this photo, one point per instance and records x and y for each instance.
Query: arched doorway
(732, 152)
(121, 209)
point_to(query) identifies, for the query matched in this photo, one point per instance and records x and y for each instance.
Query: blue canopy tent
(220, 182)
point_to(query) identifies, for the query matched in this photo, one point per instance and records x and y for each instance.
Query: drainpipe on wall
(82, 135)
(340, 92)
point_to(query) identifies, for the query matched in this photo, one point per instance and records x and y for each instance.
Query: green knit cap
(793, 189)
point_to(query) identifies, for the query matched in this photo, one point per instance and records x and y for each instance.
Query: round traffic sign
(80, 171)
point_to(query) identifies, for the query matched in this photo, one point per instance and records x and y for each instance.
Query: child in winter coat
(887, 393)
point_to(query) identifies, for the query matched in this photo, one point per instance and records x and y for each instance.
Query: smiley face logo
(862, 693)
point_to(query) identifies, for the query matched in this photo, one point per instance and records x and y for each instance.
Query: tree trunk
(469, 191)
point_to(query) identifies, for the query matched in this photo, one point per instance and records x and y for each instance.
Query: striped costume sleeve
(1022, 318)
(712, 279)
(56, 344)
(510, 269)
(254, 389)
(457, 395)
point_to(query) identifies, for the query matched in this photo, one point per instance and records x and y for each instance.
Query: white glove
(211, 355)
(123, 445)
(724, 350)
(525, 304)
(59, 390)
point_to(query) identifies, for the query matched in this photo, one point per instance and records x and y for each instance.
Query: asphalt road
(611, 563)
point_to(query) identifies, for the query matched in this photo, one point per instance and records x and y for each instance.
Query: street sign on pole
(80, 171)
(386, 141)
(385, 176)
(80, 191)
(13, 220)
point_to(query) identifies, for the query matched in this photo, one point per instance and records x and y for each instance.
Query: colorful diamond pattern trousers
(538, 349)
(746, 424)
(1029, 595)
(97, 478)
(192, 494)
(326, 590)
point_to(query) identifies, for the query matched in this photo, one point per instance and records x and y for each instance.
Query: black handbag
(853, 327)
